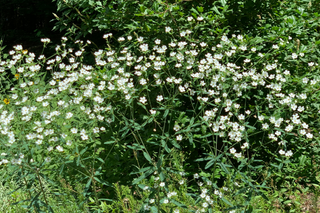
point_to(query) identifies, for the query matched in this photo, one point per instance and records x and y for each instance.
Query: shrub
(190, 122)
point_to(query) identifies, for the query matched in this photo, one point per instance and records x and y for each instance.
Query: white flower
(309, 135)
(69, 115)
(205, 205)
(59, 148)
(182, 89)
(241, 117)
(162, 184)
(294, 55)
(107, 35)
(143, 81)
(147, 207)
(39, 142)
(311, 64)
(121, 39)
(179, 137)
(46, 103)
(24, 110)
(96, 130)
(203, 44)
(245, 145)
(128, 96)
(303, 96)
(183, 33)
(159, 98)
(286, 72)
(265, 126)
(233, 150)
(302, 131)
(78, 53)
(200, 18)
(288, 128)
(237, 155)
(168, 29)
(196, 176)
(190, 18)
(144, 47)
(45, 40)
(18, 47)
(143, 100)
(289, 153)
(84, 137)
(176, 127)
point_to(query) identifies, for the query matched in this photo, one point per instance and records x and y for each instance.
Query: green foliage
(187, 109)
(148, 18)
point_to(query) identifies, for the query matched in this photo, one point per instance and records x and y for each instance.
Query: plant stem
(44, 196)
(25, 180)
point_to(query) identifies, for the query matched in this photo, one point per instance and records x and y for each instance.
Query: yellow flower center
(6, 101)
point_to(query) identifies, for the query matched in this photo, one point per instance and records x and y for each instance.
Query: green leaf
(302, 160)
(226, 201)
(109, 142)
(223, 2)
(178, 203)
(159, 163)
(200, 9)
(143, 176)
(142, 170)
(88, 184)
(205, 136)
(174, 143)
(224, 167)
(210, 163)
(162, 176)
(147, 156)
(83, 151)
(165, 113)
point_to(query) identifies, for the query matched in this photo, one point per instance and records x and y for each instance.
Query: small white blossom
(143, 100)
(159, 98)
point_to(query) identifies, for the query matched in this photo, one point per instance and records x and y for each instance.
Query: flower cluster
(219, 93)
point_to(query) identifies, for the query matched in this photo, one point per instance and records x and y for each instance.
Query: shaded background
(26, 22)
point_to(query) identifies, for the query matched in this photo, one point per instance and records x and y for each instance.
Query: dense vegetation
(165, 106)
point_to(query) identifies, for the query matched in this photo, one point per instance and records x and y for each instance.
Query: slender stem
(158, 201)
(44, 195)
(94, 187)
(25, 180)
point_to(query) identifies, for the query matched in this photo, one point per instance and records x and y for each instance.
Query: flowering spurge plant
(236, 107)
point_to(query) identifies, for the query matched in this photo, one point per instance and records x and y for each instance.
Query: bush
(199, 120)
